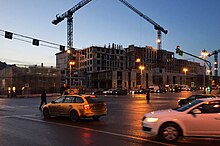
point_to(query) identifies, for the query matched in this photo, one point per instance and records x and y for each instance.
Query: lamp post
(204, 54)
(209, 71)
(71, 63)
(141, 67)
(68, 56)
(185, 70)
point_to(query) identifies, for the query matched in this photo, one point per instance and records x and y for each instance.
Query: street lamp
(204, 54)
(158, 41)
(141, 68)
(138, 60)
(68, 51)
(185, 70)
(71, 63)
(208, 71)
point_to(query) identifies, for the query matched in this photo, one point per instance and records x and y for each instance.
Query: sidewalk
(30, 95)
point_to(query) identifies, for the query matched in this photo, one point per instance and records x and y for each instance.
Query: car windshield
(189, 105)
(91, 100)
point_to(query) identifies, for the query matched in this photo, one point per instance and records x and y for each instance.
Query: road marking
(15, 116)
(94, 130)
(9, 116)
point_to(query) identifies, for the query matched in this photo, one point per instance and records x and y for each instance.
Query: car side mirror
(196, 111)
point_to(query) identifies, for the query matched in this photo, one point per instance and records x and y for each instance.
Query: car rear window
(92, 100)
(187, 106)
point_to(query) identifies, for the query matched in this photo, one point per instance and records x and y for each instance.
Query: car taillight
(86, 106)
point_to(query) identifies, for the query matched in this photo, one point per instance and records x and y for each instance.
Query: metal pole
(70, 76)
(141, 77)
(204, 72)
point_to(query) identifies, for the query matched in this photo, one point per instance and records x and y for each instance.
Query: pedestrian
(43, 99)
(148, 96)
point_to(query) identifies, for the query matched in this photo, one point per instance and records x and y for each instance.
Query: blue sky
(192, 24)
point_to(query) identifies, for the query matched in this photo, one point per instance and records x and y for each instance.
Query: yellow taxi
(76, 107)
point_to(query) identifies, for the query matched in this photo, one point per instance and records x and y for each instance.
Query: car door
(78, 105)
(55, 106)
(67, 105)
(206, 122)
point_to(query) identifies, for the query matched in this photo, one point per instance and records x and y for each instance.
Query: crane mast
(69, 15)
(156, 26)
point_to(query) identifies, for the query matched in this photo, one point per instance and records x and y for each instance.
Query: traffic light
(8, 35)
(62, 48)
(208, 89)
(35, 42)
(178, 51)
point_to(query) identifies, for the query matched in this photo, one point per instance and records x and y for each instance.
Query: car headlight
(151, 120)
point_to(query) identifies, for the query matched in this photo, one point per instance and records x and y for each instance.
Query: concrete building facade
(29, 80)
(113, 66)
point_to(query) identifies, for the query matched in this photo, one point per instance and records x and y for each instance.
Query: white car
(198, 118)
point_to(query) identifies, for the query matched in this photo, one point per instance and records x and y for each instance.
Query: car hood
(182, 99)
(161, 113)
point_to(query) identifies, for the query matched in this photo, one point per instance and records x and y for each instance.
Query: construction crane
(156, 26)
(69, 15)
(215, 53)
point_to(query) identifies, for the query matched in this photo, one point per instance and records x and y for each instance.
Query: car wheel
(74, 116)
(169, 132)
(96, 118)
(46, 113)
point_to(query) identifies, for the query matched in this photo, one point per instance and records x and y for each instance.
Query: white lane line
(94, 130)
(9, 116)
(15, 116)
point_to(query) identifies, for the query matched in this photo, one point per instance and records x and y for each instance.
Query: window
(98, 55)
(68, 99)
(91, 100)
(79, 100)
(211, 107)
(192, 98)
(117, 51)
(59, 100)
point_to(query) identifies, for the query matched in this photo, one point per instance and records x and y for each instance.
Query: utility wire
(20, 36)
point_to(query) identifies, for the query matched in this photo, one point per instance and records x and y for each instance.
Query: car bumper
(149, 128)
(93, 114)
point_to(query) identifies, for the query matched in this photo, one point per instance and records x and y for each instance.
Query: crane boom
(69, 15)
(156, 26)
(70, 12)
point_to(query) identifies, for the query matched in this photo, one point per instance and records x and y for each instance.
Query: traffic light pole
(206, 61)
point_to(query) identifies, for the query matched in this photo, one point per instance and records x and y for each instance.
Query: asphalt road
(22, 123)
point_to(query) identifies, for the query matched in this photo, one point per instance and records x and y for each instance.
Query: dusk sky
(192, 24)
